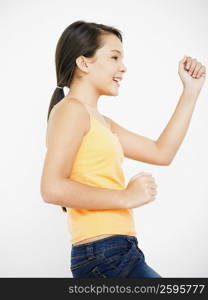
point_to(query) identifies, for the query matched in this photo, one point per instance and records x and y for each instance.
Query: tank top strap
(93, 116)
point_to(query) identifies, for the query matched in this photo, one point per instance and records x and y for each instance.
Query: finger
(152, 188)
(188, 62)
(201, 71)
(149, 180)
(137, 175)
(152, 193)
(183, 60)
(197, 68)
(141, 174)
(147, 175)
(193, 65)
(151, 185)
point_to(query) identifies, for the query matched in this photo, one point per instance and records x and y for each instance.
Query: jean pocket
(114, 254)
(119, 261)
(97, 273)
(107, 267)
(87, 267)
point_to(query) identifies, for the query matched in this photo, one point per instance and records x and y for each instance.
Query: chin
(111, 93)
(115, 93)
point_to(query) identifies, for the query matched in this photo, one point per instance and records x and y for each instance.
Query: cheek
(103, 75)
(106, 68)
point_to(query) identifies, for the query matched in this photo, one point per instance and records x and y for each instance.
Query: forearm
(175, 131)
(73, 194)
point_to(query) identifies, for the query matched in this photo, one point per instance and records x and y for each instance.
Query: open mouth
(116, 82)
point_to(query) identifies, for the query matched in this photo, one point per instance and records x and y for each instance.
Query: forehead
(112, 44)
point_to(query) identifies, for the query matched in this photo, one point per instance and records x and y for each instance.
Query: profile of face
(107, 63)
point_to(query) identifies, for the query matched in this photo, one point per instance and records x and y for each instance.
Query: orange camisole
(98, 163)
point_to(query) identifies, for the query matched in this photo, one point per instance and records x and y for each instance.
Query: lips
(118, 77)
(116, 81)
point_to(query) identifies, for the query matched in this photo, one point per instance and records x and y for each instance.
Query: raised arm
(162, 151)
(192, 74)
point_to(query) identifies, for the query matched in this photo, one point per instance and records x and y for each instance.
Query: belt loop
(132, 239)
(129, 239)
(90, 252)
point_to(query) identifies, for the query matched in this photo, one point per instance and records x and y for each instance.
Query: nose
(123, 68)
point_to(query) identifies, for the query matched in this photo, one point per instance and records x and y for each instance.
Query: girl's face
(109, 64)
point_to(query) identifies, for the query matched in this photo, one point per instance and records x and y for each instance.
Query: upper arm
(138, 147)
(66, 128)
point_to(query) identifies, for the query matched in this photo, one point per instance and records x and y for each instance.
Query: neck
(85, 93)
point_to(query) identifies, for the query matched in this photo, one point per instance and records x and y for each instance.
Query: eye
(116, 57)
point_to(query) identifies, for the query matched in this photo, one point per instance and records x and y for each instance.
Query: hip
(96, 238)
(114, 256)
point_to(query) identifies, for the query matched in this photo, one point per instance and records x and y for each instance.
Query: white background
(172, 230)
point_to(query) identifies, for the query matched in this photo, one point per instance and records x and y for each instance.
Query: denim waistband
(99, 245)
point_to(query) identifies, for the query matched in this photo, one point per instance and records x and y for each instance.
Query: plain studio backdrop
(172, 230)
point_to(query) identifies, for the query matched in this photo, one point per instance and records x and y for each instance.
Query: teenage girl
(82, 170)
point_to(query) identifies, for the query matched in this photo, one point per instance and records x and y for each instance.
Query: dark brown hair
(79, 38)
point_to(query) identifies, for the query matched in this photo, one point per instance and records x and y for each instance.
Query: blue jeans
(116, 256)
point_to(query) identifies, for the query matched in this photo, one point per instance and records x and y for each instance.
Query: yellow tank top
(98, 163)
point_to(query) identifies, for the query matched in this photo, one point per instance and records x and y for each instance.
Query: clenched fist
(192, 73)
(140, 190)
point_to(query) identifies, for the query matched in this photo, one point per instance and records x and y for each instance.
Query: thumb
(182, 62)
(137, 175)
(184, 59)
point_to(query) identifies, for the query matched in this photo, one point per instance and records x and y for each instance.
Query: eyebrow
(116, 51)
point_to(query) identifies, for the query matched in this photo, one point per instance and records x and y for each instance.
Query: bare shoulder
(69, 112)
(70, 104)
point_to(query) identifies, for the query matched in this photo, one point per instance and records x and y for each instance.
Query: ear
(81, 63)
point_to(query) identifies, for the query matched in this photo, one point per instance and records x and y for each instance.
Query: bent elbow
(167, 163)
(49, 190)
(45, 196)
(162, 162)
(48, 195)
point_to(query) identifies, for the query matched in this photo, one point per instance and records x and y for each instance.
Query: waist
(99, 245)
(92, 239)
(85, 224)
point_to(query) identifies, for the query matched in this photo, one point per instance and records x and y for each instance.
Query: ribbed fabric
(98, 163)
